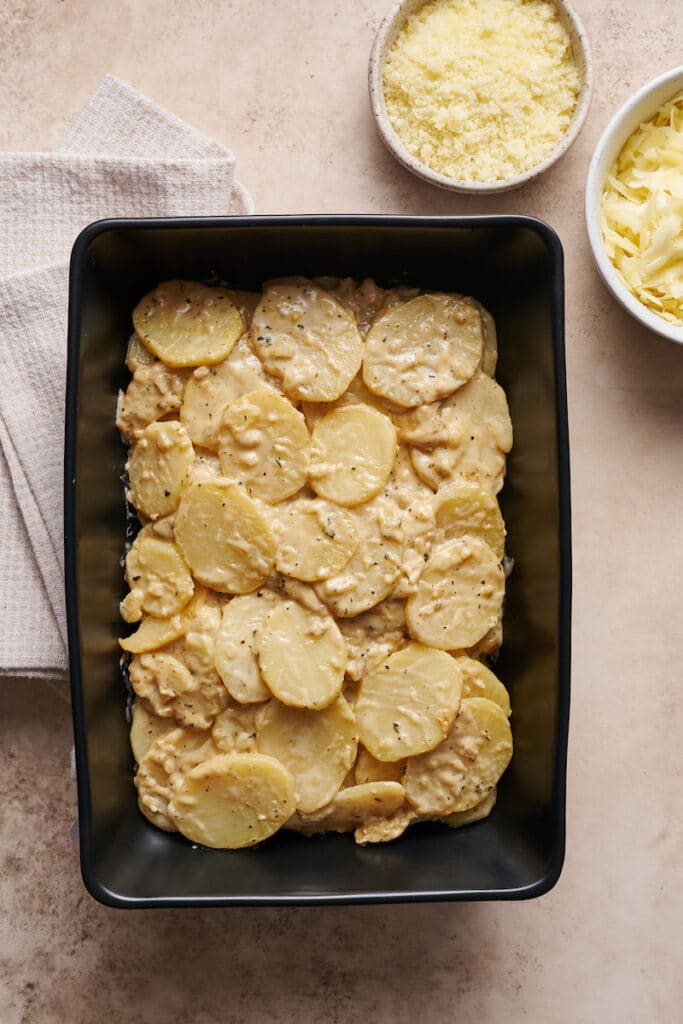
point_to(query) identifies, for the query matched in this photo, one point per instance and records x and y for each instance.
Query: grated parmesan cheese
(481, 90)
(642, 212)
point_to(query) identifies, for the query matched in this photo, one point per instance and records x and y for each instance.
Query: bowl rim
(393, 20)
(609, 146)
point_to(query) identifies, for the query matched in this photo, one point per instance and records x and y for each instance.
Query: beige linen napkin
(122, 156)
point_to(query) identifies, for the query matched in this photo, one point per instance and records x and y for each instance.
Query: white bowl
(385, 39)
(639, 108)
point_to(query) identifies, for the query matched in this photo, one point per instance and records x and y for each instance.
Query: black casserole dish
(514, 266)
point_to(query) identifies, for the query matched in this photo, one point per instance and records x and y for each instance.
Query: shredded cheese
(642, 212)
(481, 90)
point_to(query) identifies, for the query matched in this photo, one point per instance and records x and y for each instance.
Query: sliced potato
(369, 769)
(477, 813)
(235, 649)
(317, 747)
(163, 766)
(489, 355)
(465, 507)
(234, 730)
(307, 339)
(384, 830)
(264, 443)
(159, 580)
(145, 728)
(373, 636)
(223, 537)
(352, 453)
(302, 656)
(351, 808)
(153, 633)
(466, 766)
(371, 572)
(479, 681)
(211, 388)
(137, 355)
(233, 800)
(490, 642)
(315, 538)
(356, 394)
(185, 323)
(459, 595)
(156, 390)
(476, 435)
(157, 467)
(407, 704)
(423, 350)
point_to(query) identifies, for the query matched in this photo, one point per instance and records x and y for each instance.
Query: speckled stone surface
(284, 84)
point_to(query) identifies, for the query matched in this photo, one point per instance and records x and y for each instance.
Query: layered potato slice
(184, 323)
(161, 769)
(477, 813)
(459, 595)
(471, 435)
(235, 648)
(424, 349)
(302, 656)
(371, 573)
(233, 800)
(211, 388)
(156, 390)
(466, 508)
(352, 454)
(315, 538)
(352, 807)
(479, 681)
(408, 703)
(306, 339)
(145, 728)
(157, 467)
(159, 579)
(224, 537)
(264, 444)
(466, 766)
(317, 747)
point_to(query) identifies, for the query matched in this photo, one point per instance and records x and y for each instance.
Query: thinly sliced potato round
(235, 649)
(465, 507)
(477, 813)
(153, 633)
(234, 730)
(157, 467)
(352, 807)
(137, 355)
(186, 324)
(223, 537)
(459, 595)
(302, 656)
(369, 769)
(156, 390)
(264, 443)
(356, 394)
(233, 800)
(384, 830)
(211, 388)
(352, 454)
(479, 681)
(466, 766)
(423, 350)
(315, 538)
(489, 355)
(476, 434)
(307, 339)
(371, 572)
(407, 704)
(163, 766)
(145, 728)
(317, 747)
(159, 580)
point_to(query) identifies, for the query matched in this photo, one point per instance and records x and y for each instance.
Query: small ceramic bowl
(638, 109)
(385, 39)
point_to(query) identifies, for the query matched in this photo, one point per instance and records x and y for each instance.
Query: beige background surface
(283, 83)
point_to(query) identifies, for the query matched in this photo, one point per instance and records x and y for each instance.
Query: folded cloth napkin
(122, 156)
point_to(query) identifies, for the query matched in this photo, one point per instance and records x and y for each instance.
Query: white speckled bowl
(639, 108)
(384, 40)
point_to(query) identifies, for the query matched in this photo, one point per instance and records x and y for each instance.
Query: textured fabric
(122, 156)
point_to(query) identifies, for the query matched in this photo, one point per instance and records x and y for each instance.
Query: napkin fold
(122, 156)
